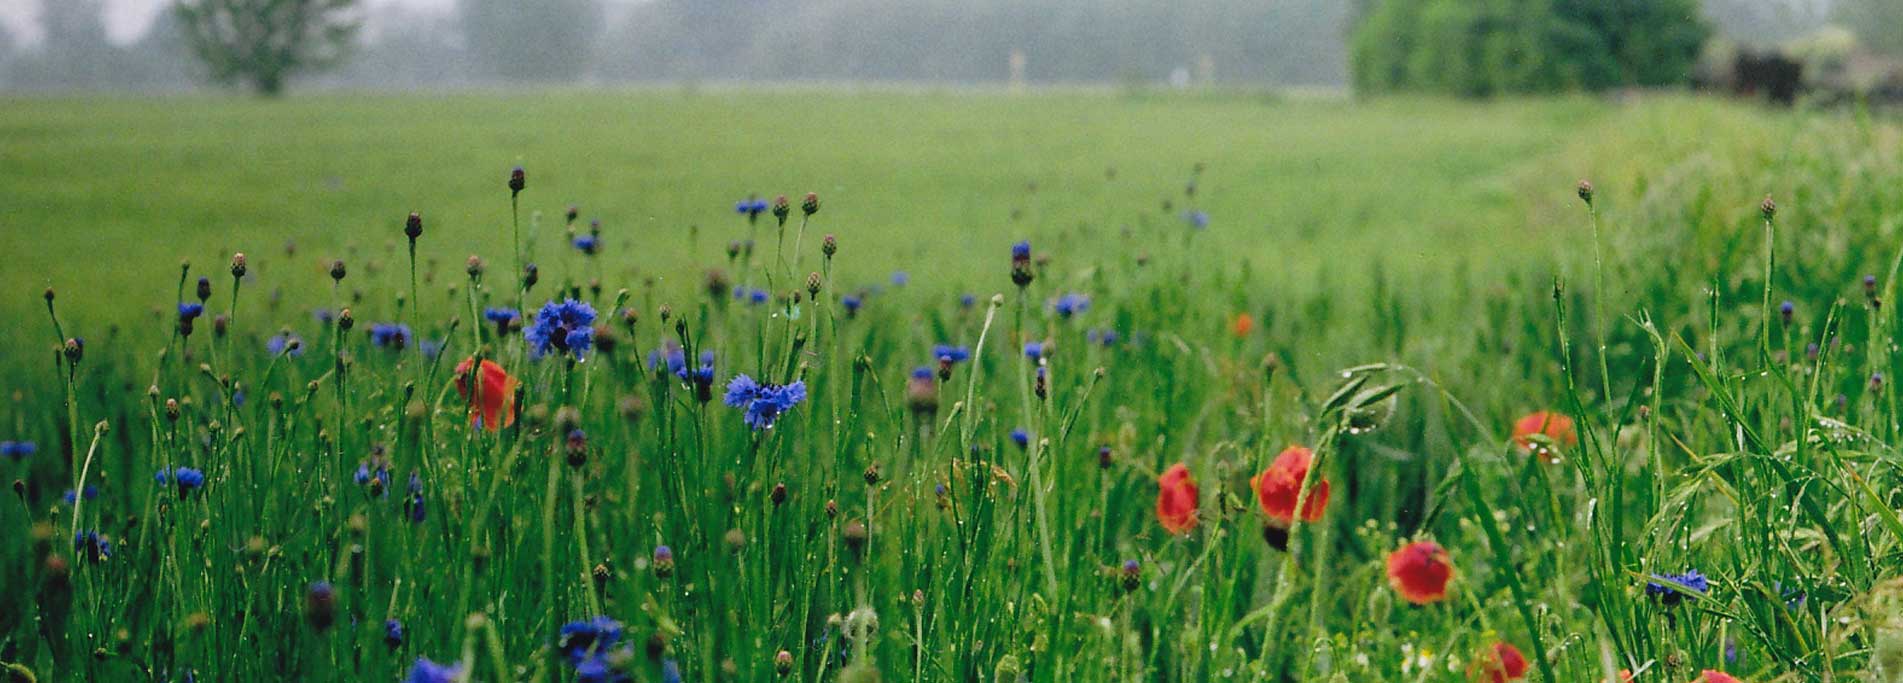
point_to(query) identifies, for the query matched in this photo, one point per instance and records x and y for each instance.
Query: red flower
(1555, 427)
(493, 404)
(1419, 571)
(1501, 663)
(1176, 499)
(1242, 324)
(1711, 676)
(1277, 487)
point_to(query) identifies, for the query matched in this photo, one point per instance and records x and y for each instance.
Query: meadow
(1045, 387)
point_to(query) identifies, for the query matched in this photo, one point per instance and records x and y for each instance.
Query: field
(756, 459)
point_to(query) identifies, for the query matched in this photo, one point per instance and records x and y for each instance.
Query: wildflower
(810, 205)
(1419, 572)
(393, 633)
(1176, 499)
(967, 300)
(1242, 325)
(1071, 304)
(1105, 337)
(1585, 192)
(517, 181)
(426, 671)
(852, 302)
(921, 393)
(188, 312)
(571, 214)
(1131, 578)
(1786, 311)
(413, 505)
(413, 226)
(186, 478)
(1020, 437)
(587, 244)
(763, 403)
(829, 245)
(18, 450)
(390, 335)
(502, 318)
(338, 271)
(92, 546)
(751, 207)
(1034, 350)
(73, 497)
(1538, 429)
(320, 605)
(1670, 589)
(1277, 487)
(204, 289)
(901, 278)
(1501, 663)
(948, 356)
(238, 265)
(783, 662)
(492, 399)
(1196, 219)
(576, 446)
(1713, 675)
(375, 475)
(1021, 274)
(566, 326)
(285, 343)
(582, 639)
(781, 209)
(324, 316)
(663, 561)
(430, 348)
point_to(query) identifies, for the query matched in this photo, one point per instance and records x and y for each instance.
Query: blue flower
(430, 348)
(18, 450)
(1106, 337)
(426, 671)
(967, 300)
(413, 506)
(393, 633)
(763, 403)
(1196, 219)
(284, 342)
(188, 479)
(597, 669)
(580, 639)
(324, 316)
(1021, 251)
(565, 326)
(500, 315)
(1071, 304)
(750, 207)
(1679, 584)
(1034, 350)
(852, 302)
(948, 354)
(671, 355)
(1020, 437)
(390, 335)
(92, 546)
(380, 474)
(587, 244)
(901, 278)
(190, 310)
(670, 671)
(91, 493)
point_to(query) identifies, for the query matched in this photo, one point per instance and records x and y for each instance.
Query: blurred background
(1781, 49)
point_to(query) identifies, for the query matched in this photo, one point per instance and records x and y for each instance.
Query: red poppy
(493, 405)
(1176, 499)
(1243, 324)
(1555, 427)
(1501, 663)
(1277, 487)
(1711, 676)
(1419, 571)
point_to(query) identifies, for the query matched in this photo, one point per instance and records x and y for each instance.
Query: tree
(263, 43)
(548, 40)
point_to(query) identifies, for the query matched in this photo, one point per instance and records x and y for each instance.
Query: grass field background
(1417, 274)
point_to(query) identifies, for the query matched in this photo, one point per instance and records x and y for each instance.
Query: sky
(126, 20)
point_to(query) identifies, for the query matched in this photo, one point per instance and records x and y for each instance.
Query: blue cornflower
(1034, 350)
(390, 335)
(1020, 437)
(190, 310)
(324, 316)
(750, 207)
(70, 498)
(1021, 251)
(757, 296)
(670, 671)
(500, 315)
(426, 671)
(430, 348)
(901, 278)
(1106, 337)
(285, 342)
(92, 546)
(922, 372)
(1071, 304)
(188, 479)
(565, 326)
(946, 353)
(413, 506)
(1196, 219)
(764, 403)
(393, 633)
(1679, 584)
(598, 669)
(588, 244)
(967, 300)
(852, 302)
(378, 472)
(581, 639)
(18, 450)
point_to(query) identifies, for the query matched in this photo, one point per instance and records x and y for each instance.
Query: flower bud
(517, 181)
(810, 205)
(337, 270)
(238, 265)
(413, 227)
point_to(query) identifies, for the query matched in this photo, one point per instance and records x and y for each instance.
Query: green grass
(1421, 274)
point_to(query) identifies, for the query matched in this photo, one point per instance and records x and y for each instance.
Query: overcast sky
(127, 19)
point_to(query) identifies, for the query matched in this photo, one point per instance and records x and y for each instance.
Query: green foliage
(1484, 47)
(547, 40)
(264, 43)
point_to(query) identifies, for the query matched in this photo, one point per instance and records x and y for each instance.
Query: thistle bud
(474, 266)
(1768, 208)
(1131, 577)
(573, 213)
(320, 606)
(778, 496)
(1585, 192)
(872, 474)
(1104, 457)
(736, 540)
(829, 245)
(576, 447)
(413, 227)
(48, 294)
(781, 208)
(337, 270)
(783, 663)
(663, 562)
(238, 265)
(204, 289)
(345, 320)
(812, 285)
(530, 276)
(810, 205)
(75, 350)
(517, 181)
(855, 535)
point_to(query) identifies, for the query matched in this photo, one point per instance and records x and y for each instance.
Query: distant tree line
(1486, 47)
